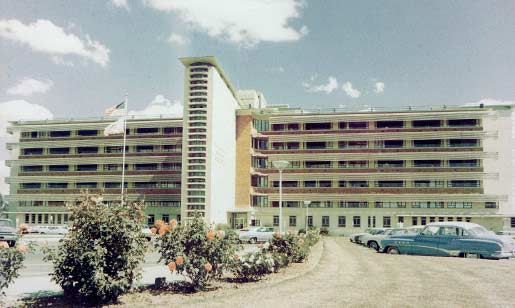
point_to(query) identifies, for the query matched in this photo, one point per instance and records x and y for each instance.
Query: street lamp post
(280, 165)
(306, 203)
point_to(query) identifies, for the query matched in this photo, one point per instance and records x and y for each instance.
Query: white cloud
(379, 87)
(120, 3)
(160, 105)
(330, 86)
(12, 111)
(245, 22)
(350, 91)
(59, 60)
(178, 39)
(44, 36)
(29, 86)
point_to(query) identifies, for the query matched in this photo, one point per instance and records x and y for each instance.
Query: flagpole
(124, 142)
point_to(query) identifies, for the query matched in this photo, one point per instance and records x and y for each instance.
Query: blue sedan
(458, 239)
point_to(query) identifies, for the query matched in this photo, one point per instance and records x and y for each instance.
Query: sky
(66, 59)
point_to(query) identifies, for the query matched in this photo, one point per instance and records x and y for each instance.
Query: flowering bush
(11, 261)
(195, 251)
(291, 248)
(253, 266)
(98, 260)
(312, 237)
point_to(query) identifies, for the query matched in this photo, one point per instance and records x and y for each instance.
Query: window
(389, 124)
(427, 163)
(59, 151)
(357, 204)
(458, 143)
(87, 150)
(458, 163)
(356, 222)
(317, 164)
(32, 168)
(414, 221)
(86, 168)
(87, 132)
(33, 151)
(261, 201)
(60, 134)
(31, 185)
(57, 185)
(389, 184)
(314, 145)
(432, 219)
(427, 143)
(86, 185)
(341, 221)
(357, 144)
(310, 221)
(325, 221)
(426, 123)
(166, 218)
(144, 148)
(317, 126)
(463, 122)
(310, 183)
(371, 221)
(390, 204)
(427, 205)
(325, 184)
(151, 219)
(143, 167)
(459, 205)
(387, 221)
(490, 205)
(441, 219)
(463, 183)
(358, 125)
(512, 222)
(400, 219)
(115, 149)
(342, 125)
(390, 163)
(276, 221)
(391, 144)
(423, 221)
(293, 221)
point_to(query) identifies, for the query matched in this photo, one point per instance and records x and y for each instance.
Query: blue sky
(421, 52)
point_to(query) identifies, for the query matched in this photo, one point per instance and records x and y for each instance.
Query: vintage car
(459, 239)
(506, 233)
(257, 234)
(8, 232)
(372, 240)
(356, 237)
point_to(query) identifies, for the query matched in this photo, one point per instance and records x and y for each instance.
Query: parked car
(372, 240)
(53, 230)
(507, 233)
(458, 239)
(356, 237)
(257, 234)
(8, 232)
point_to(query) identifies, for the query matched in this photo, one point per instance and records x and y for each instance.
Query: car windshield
(430, 230)
(5, 223)
(376, 231)
(479, 230)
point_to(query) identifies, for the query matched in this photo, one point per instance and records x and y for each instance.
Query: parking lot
(352, 275)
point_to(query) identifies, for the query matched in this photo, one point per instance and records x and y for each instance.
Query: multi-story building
(347, 170)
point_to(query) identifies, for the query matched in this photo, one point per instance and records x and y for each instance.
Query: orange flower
(208, 267)
(159, 223)
(4, 245)
(237, 257)
(179, 260)
(22, 248)
(153, 230)
(219, 234)
(171, 266)
(164, 229)
(23, 228)
(210, 235)
(173, 223)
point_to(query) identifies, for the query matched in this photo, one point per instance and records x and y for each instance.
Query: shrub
(11, 261)
(198, 253)
(253, 266)
(312, 237)
(287, 249)
(98, 260)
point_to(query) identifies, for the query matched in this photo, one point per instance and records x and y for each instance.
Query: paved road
(351, 275)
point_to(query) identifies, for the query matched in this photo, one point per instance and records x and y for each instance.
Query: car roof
(464, 225)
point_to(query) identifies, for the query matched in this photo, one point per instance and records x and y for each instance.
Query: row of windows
(106, 167)
(365, 144)
(62, 203)
(262, 201)
(166, 148)
(260, 162)
(80, 185)
(100, 132)
(356, 222)
(364, 183)
(377, 124)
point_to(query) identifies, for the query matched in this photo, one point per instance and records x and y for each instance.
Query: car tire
(373, 245)
(253, 240)
(393, 250)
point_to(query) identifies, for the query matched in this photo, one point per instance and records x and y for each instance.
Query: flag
(116, 110)
(114, 128)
